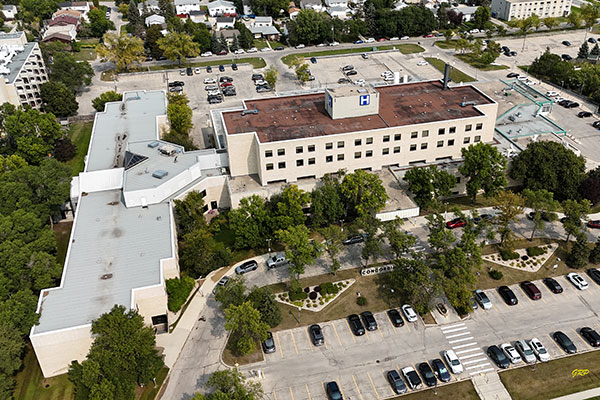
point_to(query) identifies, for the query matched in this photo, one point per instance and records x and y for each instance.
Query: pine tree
(215, 46)
(584, 51)
(236, 43)
(595, 51)
(580, 253)
(133, 15)
(223, 42)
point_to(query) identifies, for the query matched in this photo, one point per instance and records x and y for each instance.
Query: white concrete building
(520, 9)
(183, 7)
(22, 70)
(466, 11)
(9, 12)
(312, 5)
(221, 7)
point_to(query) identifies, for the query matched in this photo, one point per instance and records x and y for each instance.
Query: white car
(333, 43)
(260, 82)
(265, 49)
(551, 93)
(453, 362)
(388, 79)
(474, 31)
(522, 78)
(197, 70)
(212, 93)
(530, 82)
(394, 38)
(511, 353)
(370, 40)
(300, 46)
(206, 54)
(182, 72)
(239, 51)
(412, 378)
(409, 313)
(360, 82)
(321, 45)
(404, 38)
(559, 99)
(577, 280)
(208, 81)
(252, 50)
(525, 351)
(539, 350)
(421, 63)
(387, 73)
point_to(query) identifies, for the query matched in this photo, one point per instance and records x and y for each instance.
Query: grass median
(473, 61)
(404, 48)
(256, 62)
(455, 74)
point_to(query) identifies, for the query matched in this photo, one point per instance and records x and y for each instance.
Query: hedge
(298, 295)
(361, 301)
(535, 251)
(178, 291)
(508, 254)
(329, 288)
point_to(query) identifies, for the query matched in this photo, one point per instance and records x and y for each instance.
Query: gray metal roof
(107, 238)
(18, 60)
(136, 119)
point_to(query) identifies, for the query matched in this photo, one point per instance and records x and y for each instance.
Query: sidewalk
(586, 394)
(489, 387)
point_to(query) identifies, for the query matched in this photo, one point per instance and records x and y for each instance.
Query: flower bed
(526, 259)
(318, 297)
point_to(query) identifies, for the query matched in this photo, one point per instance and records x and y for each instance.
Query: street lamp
(342, 223)
(299, 309)
(332, 36)
(391, 295)
(269, 246)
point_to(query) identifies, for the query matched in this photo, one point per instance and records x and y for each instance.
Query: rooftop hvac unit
(159, 173)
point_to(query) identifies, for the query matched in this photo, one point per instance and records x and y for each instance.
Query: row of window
(386, 138)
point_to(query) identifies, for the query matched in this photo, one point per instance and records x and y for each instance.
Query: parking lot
(299, 370)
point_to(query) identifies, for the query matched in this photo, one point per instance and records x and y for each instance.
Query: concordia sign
(377, 270)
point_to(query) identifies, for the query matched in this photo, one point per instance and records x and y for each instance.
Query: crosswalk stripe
(460, 340)
(477, 366)
(458, 334)
(455, 330)
(470, 356)
(481, 372)
(464, 345)
(452, 326)
(474, 361)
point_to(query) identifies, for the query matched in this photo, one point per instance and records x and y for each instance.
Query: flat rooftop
(16, 62)
(295, 117)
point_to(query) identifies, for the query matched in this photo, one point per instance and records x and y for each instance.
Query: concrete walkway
(490, 387)
(586, 394)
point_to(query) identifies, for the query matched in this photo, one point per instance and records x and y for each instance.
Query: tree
(550, 166)
(122, 355)
(153, 34)
(245, 324)
(223, 42)
(484, 167)
(72, 73)
(271, 76)
(332, 244)
(373, 244)
(231, 384)
(178, 291)
(302, 73)
(481, 17)
(589, 14)
(235, 45)
(584, 51)
(363, 193)
(400, 241)
(509, 205)
(590, 187)
(543, 204)
(246, 37)
(58, 99)
(461, 45)
(200, 253)
(64, 150)
(580, 252)
(232, 293)
(550, 22)
(178, 46)
(575, 211)
(99, 24)
(595, 50)
(250, 223)
(289, 205)
(448, 33)
(326, 206)
(574, 19)
(99, 102)
(440, 238)
(299, 249)
(36, 9)
(121, 50)
(179, 114)
(189, 213)
(167, 9)
(270, 7)
(524, 27)
(429, 184)
(595, 253)
(133, 15)
(215, 45)
(491, 53)
(263, 300)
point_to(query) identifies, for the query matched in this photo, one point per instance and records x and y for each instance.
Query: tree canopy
(363, 193)
(177, 46)
(99, 102)
(484, 168)
(121, 50)
(72, 73)
(58, 99)
(429, 184)
(99, 24)
(246, 326)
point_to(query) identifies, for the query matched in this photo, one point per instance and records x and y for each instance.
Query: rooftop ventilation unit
(153, 144)
(468, 103)
(160, 173)
(246, 112)
(167, 149)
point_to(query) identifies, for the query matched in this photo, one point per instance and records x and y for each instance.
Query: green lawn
(259, 43)
(554, 378)
(80, 134)
(62, 232)
(85, 54)
(446, 44)
(150, 391)
(455, 74)
(257, 62)
(470, 59)
(31, 384)
(405, 48)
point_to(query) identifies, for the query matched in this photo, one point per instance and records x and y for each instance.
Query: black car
(440, 370)
(591, 336)
(427, 374)
(398, 385)
(229, 91)
(269, 344)
(278, 48)
(553, 285)
(498, 356)
(545, 216)
(596, 124)
(354, 239)
(189, 71)
(333, 391)
(566, 57)
(316, 335)
(592, 40)
(395, 317)
(512, 75)
(564, 342)
(351, 72)
(246, 267)
(257, 77)
(214, 100)
(355, 325)
(505, 49)
(483, 217)
(508, 296)
(234, 67)
(221, 68)
(313, 60)
(225, 79)
(176, 83)
(369, 320)
(584, 114)
(594, 274)
(566, 43)
(512, 53)
(344, 80)
(572, 104)
(209, 69)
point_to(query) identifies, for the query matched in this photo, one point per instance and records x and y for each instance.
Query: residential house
(9, 12)
(246, 7)
(82, 6)
(220, 8)
(311, 5)
(154, 19)
(65, 20)
(197, 16)
(66, 33)
(224, 23)
(150, 5)
(262, 27)
(336, 3)
(293, 10)
(72, 13)
(467, 12)
(339, 12)
(183, 7)
(229, 34)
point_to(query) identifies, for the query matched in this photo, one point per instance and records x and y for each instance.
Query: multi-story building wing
(521, 9)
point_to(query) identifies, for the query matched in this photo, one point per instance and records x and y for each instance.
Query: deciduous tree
(271, 75)
(121, 50)
(246, 326)
(299, 249)
(429, 184)
(99, 102)
(413, 283)
(178, 46)
(72, 73)
(251, 223)
(99, 24)
(326, 206)
(263, 300)
(580, 252)
(484, 168)
(332, 245)
(232, 293)
(401, 242)
(363, 193)
(289, 205)
(509, 205)
(58, 99)
(575, 212)
(543, 205)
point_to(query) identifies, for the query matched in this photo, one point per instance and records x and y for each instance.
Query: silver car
(483, 300)
(526, 352)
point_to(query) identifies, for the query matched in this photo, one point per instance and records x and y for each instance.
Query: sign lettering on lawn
(377, 270)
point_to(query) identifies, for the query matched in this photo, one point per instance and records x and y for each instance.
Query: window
(369, 153)
(425, 133)
(397, 148)
(311, 161)
(385, 151)
(440, 143)
(340, 157)
(413, 147)
(452, 129)
(441, 131)
(329, 146)
(467, 140)
(357, 154)
(281, 152)
(414, 135)
(340, 145)
(457, 179)
(451, 142)
(468, 127)
(397, 136)
(477, 139)
(311, 147)
(269, 166)
(329, 159)
(357, 142)
(299, 163)
(479, 126)
(423, 146)
(268, 153)
(203, 193)
(369, 140)
(386, 138)
(299, 149)
(281, 165)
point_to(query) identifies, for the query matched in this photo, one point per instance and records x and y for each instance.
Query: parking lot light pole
(299, 309)
(269, 246)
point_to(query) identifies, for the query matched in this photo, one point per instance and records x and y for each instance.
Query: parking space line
(372, 384)
(357, 388)
(444, 328)
(407, 326)
(556, 345)
(464, 345)
(340, 386)
(379, 330)
(351, 333)
(279, 344)
(307, 391)
(336, 334)
(274, 395)
(481, 372)
(309, 342)
(291, 393)
(389, 386)
(582, 339)
(460, 340)
(294, 342)
(324, 391)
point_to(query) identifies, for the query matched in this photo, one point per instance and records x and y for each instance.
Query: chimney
(446, 76)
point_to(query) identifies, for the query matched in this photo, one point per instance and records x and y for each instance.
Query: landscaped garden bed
(528, 259)
(315, 298)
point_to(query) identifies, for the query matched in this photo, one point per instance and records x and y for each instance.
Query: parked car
(175, 89)
(553, 285)
(594, 224)
(333, 391)
(313, 60)
(566, 43)
(412, 378)
(248, 266)
(369, 320)
(483, 217)
(182, 72)
(512, 75)
(453, 362)
(257, 77)
(364, 56)
(221, 68)
(206, 54)
(592, 337)
(214, 99)
(440, 371)
(584, 114)
(473, 302)
(564, 342)
(300, 46)
(234, 67)
(213, 93)
(268, 344)
(539, 350)
(422, 63)
(566, 57)
(531, 290)
(355, 325)
(544, 215)
(225, 84)
(508, 295)
(409, 313)
(197, 70)
(344, 80)
(351, 72)
(525, 351)
(276, 260)
(278, 48)
(511, 353)
(551, 93)
(176, 83)
(427, 374)
(395, 317)
(223, 281)
(594, 275)
(456, 223)
(229, 91)
(592, 40)
(396, 382)
(596, 124)
(209, 88)
(239, 51)
(263, 88)
(252, 50)
(354, 239)
(577, 281)
(498, 356)
(483, 300)
(316, 335)
(225, 79)
(347, 67)
(209, 69)
(370, 40)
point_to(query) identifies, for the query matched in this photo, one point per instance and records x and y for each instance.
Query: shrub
(317, 288)
(329, 288)
(178, 291)
(298, 295)
(495, 274)
(306, 289)
(313, 295)
(361, 301)
(508, 254)
(535, 251)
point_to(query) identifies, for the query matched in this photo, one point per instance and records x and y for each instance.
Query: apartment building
(22, 70)
(289, 139)
(520, 9)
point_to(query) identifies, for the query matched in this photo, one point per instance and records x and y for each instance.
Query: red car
(429, 35)
(456, 223)
(531, 290)
(594, 224)
(381, 39)
(225, 84)
(222, 52)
